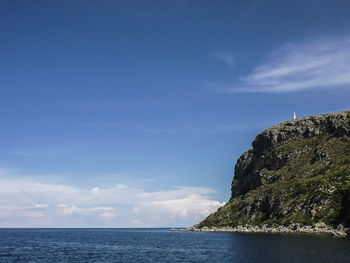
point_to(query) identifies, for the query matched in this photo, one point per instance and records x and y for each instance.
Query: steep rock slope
(297, 172)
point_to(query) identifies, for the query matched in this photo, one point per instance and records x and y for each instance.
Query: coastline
(317, 229)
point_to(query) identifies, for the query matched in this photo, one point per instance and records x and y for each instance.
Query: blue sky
(133, 113)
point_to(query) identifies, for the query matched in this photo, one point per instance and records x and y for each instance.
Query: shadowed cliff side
(297, 172)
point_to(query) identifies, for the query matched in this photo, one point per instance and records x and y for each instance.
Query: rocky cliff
(297, 172)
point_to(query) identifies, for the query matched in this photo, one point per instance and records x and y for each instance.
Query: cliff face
(297, 172)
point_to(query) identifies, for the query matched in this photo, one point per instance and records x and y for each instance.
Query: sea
(164, 245)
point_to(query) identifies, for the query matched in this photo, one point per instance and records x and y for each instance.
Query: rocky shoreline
(319, 228)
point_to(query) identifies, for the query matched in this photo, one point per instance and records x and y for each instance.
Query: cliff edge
(297, 172)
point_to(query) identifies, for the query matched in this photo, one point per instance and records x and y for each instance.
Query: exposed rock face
(297, 172)
(246, 176)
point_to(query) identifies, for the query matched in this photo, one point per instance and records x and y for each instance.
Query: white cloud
(41, 206)
(108, 216)
(25, 202)
(226, 58)
(321, 64)
(188, 206)
(71, 209)
(62, 205)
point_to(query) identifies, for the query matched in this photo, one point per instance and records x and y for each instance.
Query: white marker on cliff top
(295, 116)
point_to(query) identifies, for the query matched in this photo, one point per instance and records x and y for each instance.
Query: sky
(133, 113)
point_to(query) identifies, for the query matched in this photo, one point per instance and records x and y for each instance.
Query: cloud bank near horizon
(316, 64)
(26, 202)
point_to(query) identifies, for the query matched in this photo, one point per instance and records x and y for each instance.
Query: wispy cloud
(197, 128)
(4, 171)
(27, 202)
(226, 58)
(24, 154)
(19, 153)
(317, 64)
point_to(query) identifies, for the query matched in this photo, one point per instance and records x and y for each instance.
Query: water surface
(163, 245)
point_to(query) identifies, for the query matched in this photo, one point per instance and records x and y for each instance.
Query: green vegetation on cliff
(297, 172)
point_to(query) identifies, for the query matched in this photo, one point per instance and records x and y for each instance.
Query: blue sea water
(163, 245)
